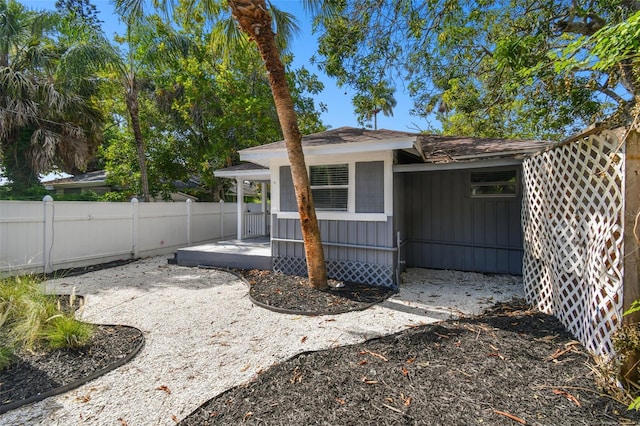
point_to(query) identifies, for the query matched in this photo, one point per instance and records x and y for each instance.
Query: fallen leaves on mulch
(293, 294)
(508, 366)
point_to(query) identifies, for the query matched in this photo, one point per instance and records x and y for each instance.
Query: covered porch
(251, 249)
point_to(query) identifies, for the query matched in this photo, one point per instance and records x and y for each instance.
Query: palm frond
(227, 37)
(130, 10)
(285, 26)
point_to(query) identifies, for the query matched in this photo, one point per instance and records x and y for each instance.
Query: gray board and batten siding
(355, 250)
(443, 226)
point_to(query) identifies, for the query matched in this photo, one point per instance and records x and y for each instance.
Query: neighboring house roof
(438, 148)
(97, 178)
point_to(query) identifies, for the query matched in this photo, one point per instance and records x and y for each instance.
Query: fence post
(135, 228)
(188, 222)
(221, 204)
(47, 233)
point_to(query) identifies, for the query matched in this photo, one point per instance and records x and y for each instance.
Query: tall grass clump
(30, 320)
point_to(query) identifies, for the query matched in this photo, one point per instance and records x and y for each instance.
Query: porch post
(240, 203)
(265, 216)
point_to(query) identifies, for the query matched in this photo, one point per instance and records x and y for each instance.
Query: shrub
(29, 319)
(6, 356)
(65, 332)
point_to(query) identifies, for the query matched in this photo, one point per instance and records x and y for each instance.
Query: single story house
(97, 182)
(388, 199)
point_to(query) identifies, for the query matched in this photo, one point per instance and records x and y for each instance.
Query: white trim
(240, 211)
(341, 216)
(256, 155)
(254, 175)
(456, 165)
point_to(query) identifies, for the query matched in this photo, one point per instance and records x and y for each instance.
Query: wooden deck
(251, 253)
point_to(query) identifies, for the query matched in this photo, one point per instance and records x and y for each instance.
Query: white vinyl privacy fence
(46, 236)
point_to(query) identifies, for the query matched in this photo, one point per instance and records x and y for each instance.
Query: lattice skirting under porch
(572, 218)
(365, 273)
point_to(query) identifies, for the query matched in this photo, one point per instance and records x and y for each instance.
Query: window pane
(494, 183)
(332, 174)
(497, 176)
(330, 198)
(506, 189)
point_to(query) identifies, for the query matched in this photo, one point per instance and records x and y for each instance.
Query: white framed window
(330, 186)
(494, 183)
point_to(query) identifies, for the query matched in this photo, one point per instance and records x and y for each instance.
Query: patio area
(249, 253)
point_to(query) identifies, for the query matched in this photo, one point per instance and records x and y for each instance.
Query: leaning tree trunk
(254, 19)
(134, 113)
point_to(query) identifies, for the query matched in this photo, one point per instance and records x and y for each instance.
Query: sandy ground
(203, 335)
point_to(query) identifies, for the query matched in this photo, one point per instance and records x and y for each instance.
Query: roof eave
(255, 175)
(263, 157)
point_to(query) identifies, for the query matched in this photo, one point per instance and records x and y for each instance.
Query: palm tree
(254, 19)
(47, 116)
(385, 102)
(138, 27)
(376, 98)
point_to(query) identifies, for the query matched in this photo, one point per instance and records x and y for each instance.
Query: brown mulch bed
(33, 374)
(283, 293)
(508, 366)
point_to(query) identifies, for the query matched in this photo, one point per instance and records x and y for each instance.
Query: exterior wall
(354, 250)
(445, 228)
(360, 243)
(377, 169)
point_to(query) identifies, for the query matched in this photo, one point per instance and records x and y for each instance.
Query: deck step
(235, 254)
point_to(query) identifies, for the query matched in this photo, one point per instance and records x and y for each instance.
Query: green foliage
(6, 356)
(626, 341)
(62, 331)
(47, 106)
(30, 319)
(484, 68)
(197, 112)
(32, 193)
(38, 192)
(615, 44)
(635, 307)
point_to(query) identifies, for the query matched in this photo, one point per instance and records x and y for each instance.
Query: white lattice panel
(572, 218)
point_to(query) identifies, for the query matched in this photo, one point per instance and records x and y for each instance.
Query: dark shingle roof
(340, 135)
(98, 176)
(443, 148)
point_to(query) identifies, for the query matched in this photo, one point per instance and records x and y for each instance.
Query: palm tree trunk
(255, 20)
(134, 113)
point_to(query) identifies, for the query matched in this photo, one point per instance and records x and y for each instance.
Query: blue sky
(338, 100)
